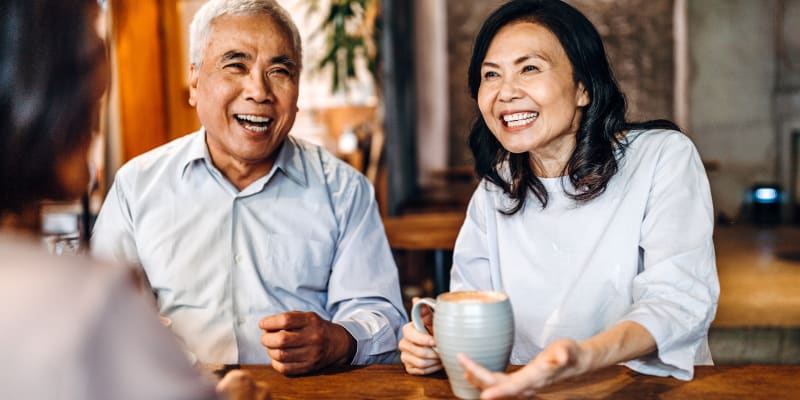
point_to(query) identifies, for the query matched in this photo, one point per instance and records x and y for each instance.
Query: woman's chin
(516, 148)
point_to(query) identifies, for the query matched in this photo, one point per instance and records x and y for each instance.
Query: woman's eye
(490, 74)
(529, 68)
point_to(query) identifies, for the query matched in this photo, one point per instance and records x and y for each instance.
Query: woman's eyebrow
(519, 60)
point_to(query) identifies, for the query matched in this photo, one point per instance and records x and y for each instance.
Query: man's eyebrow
(285, 60)
(235, 55)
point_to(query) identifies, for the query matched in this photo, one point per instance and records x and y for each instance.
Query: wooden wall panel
(181, 117)
(136, 35)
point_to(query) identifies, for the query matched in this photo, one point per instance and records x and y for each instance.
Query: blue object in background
(766, 204)
(766, 195)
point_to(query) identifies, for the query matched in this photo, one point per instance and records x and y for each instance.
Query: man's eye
(529, 68)
(280, 72)
(235, 67)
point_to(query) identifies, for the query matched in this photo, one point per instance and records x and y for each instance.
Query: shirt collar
(290, 158)
(291, 161)
(196, 151)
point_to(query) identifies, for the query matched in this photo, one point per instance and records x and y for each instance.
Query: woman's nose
(509, 90)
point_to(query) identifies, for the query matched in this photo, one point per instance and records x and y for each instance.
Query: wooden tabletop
(391, 382)
(759, 276)
(428, 231)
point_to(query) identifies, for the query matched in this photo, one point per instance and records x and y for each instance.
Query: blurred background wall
(728, 71)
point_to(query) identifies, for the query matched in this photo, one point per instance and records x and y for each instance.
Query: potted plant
(349, 29)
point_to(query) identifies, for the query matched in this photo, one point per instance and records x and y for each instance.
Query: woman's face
(527, 94)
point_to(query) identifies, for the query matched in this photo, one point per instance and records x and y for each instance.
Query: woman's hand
(416, 348)
(562, 359)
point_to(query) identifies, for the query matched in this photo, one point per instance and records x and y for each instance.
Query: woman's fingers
(416, 337)
(420, 366)
(477, 375)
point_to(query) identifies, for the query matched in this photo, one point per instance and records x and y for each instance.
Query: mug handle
(415, 313)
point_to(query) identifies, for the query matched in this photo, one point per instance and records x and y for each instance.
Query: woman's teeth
(519, 119)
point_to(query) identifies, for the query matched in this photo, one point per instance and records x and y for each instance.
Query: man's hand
(240, 385)
(300, 342)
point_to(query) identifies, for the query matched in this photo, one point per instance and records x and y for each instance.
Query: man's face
(246, 89)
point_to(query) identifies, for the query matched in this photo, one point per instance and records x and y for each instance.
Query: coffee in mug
(479, 324)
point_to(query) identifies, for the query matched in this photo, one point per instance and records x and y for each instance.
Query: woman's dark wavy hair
(594, 160)
(47, 97)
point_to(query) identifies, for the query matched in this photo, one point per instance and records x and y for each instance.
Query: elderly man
(258, 246)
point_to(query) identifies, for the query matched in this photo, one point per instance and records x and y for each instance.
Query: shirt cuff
(370, 349)
(676, 352)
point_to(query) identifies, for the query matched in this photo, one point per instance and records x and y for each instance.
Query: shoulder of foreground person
(80, 325)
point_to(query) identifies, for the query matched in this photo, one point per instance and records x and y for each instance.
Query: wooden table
(391, 382)
(435, 231)
(759, 274)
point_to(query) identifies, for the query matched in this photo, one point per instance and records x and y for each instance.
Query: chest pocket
(297, 263)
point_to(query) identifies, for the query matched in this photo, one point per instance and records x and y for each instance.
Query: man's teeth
(255, 123)
(519, 119)
(254, 118)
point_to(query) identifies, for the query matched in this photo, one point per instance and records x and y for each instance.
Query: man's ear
(194, 74)
(582, 96)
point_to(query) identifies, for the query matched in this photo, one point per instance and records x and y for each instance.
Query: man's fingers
(284, 321)
(292, 368)
(283, 339)
(295, 355)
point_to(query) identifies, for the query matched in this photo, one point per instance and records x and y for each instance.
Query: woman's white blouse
(642, 251)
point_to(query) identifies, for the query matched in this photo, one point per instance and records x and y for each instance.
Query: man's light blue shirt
(306, 237)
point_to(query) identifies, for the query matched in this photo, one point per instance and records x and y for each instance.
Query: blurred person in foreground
(598, 229)
(70, 328)
(260, 248)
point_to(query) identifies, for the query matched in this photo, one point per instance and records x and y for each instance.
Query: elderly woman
(598, 229)
(69, 328)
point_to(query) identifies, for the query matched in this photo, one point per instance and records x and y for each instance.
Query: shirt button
(238, 259)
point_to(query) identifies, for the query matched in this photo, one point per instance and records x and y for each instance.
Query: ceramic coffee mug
(479, 324)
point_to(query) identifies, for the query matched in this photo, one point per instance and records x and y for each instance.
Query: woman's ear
(582, 96)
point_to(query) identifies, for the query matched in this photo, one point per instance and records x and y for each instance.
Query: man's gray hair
(201, 23)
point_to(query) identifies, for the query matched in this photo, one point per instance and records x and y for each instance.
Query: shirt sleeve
(364, 289)
(675, 295)
(113, 236)
(471, 265)
(130, 355)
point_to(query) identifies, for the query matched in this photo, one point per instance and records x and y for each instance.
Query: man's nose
(258, 88)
